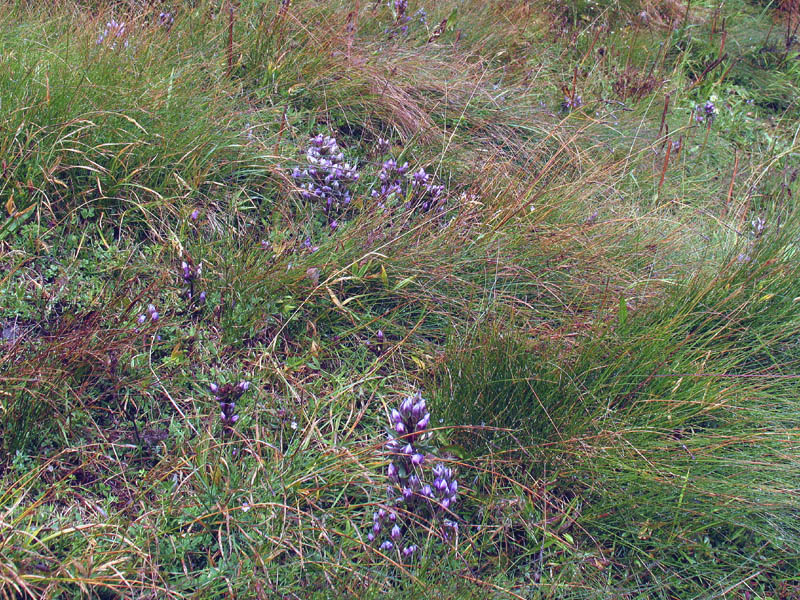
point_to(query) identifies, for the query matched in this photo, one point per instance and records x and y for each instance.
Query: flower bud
(405, 407)
(396, 534)
(423, 422)
(417, 459)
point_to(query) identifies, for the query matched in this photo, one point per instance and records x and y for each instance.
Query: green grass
(608, 346)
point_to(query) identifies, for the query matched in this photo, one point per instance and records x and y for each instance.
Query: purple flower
(141, 319)
(195, 214)
(396, 534)
(417, 459)
(387, 545)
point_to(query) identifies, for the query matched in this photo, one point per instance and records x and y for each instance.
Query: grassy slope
(608, 346)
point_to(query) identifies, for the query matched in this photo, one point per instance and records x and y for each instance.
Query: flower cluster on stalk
(151, 313)
(706, 113)
(227, 395)
(115, 31)
(190, 274)
(402, 19)
(166, 20)
(415, 188)
(417, 493)
(572, 102)
(326, 178)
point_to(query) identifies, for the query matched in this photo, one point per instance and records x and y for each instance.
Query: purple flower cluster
(706, 112)
(391, 177)
(227, 395)
(383, 146)
(190, 274)
(326, 177)
(410, 495)
(151, 312)
(572, 102)
(166, 19)
(416, 188)
(759, 224)
(115, 31)
(378, 348)
(402, 18)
